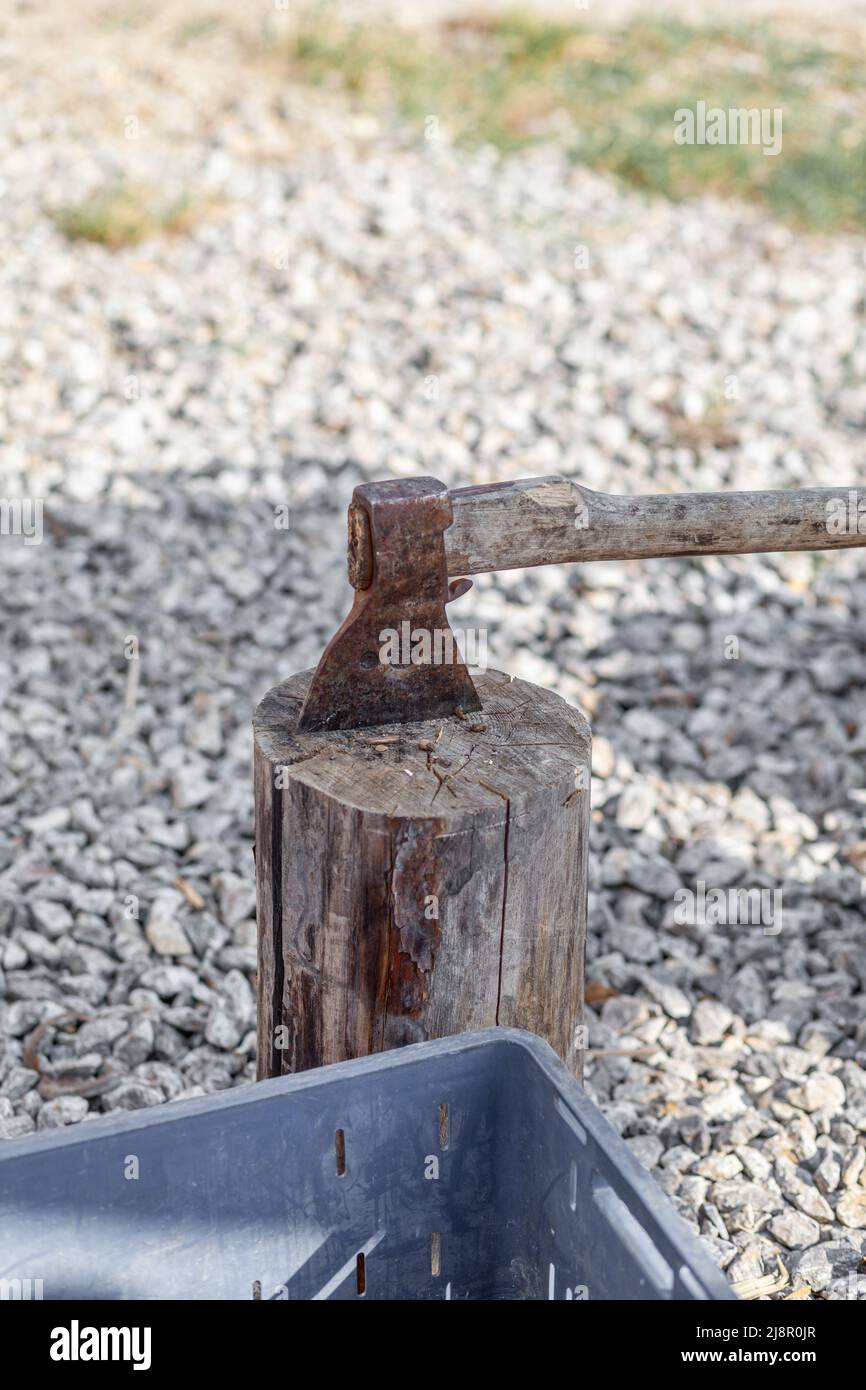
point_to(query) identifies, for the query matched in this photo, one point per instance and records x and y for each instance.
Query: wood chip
(596, 993)
(759, 1288)
(621, 1051)
(194, 898)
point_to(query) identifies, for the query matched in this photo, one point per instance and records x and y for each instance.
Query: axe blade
(394, 659)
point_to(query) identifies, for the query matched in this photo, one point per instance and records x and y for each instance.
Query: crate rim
(293, 1083)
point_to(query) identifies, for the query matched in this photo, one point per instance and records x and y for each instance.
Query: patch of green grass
(125, 15)
(123, 214)
(202, 28)
(611, 95)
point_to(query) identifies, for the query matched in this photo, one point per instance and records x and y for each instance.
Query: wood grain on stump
(419, 880)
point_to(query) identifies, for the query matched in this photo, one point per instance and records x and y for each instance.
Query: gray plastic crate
(474, 1167)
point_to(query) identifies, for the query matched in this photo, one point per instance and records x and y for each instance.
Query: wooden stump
(422, 879)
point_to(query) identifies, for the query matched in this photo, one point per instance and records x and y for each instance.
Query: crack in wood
(506, 831)
(277, 926)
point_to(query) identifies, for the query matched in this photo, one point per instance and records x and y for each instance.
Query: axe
(408, 537)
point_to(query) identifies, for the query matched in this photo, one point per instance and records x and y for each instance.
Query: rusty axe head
(394, 658)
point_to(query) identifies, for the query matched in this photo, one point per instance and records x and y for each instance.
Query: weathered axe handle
(546, 521)
(407, 536)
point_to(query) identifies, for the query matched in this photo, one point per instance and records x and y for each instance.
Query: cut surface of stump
(419, 880)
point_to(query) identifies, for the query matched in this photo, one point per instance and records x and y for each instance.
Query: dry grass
(124, 214)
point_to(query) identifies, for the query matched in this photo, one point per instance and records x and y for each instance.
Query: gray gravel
(365, 305)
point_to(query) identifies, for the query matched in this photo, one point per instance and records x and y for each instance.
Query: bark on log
(420, 880)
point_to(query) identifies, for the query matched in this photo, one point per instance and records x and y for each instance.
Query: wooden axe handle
(547, 521)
